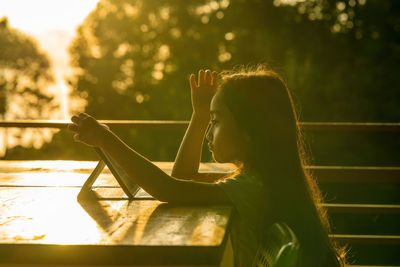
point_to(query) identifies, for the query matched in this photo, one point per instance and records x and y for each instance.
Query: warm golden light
(208, 229)
(41, 167)
(46, 15)
(52, 24)
(63, 222)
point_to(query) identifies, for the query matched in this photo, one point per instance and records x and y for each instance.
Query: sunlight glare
(35, 16)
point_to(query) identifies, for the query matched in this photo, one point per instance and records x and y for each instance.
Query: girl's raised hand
(88, 130)
(203, 91)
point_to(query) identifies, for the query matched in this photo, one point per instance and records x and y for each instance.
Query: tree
(25, 73)
(133, 57)
(133, 60)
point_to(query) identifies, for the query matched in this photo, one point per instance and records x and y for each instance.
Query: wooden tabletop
(41, 220)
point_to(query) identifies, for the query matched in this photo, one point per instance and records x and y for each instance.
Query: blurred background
(131, 59)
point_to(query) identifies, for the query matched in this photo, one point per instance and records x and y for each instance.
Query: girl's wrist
(201, 116)
(200, 119)
(105, 138)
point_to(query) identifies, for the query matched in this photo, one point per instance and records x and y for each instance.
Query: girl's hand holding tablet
(88, 130)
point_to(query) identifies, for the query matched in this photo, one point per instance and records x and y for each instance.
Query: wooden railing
(348, 176)
(167, 124)
(362, 208)
(356, 175)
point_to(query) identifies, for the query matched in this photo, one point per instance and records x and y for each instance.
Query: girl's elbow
(160, 196)
(164, 195)
(170, 198)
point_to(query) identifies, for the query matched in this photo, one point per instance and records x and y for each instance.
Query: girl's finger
(75, 119)
(207, 77)
(73, 128)
(201, 77)
(193, 81)
(214, 81)
(76, 138)
(83, 115)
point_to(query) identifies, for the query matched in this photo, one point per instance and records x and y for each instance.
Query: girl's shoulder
(243, 184)
(247, 194)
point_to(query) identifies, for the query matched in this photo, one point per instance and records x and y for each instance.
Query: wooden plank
(351, 126)
(367, 239)
(117, 255)
(355, 174)
(362, 208)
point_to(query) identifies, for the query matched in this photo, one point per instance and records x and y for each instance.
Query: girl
(254, 126)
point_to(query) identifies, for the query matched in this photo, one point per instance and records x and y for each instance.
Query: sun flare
(45, 15)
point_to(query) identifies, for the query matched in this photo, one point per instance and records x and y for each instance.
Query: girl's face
(225, 140)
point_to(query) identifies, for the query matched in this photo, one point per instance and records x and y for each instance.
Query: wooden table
(42, 222)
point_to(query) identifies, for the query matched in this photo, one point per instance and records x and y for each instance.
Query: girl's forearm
(147, 175)
(155, 181)
(188, 158)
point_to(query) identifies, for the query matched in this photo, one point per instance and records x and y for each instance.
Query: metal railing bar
(60, 124)
(174, 124)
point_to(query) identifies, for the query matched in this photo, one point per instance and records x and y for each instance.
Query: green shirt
(247, 194)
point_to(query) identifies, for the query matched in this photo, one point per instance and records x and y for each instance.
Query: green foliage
(25, 72)
(340, 60)
(137, 55)
(133, 57)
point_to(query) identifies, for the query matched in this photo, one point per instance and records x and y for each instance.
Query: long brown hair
(263, 107)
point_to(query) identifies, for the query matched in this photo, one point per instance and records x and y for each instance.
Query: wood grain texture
(41, 218)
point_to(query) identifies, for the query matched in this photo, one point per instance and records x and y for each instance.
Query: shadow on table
(149, 222)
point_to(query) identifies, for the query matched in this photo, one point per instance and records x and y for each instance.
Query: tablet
(126, 183)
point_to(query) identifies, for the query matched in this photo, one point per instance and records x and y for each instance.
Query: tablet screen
(127, 184)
